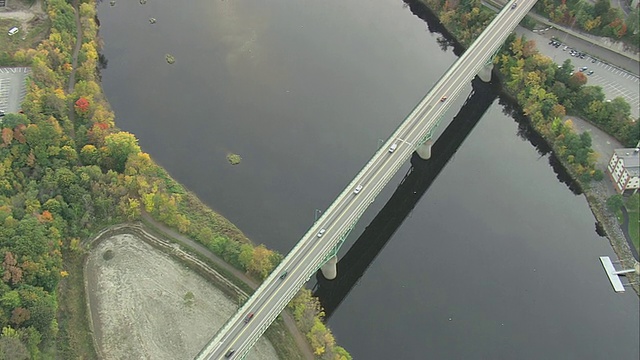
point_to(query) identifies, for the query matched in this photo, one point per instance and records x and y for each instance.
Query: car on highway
(229, 353)
(284, 275)
(321, 232)
(393, 147)
(514, 5)
(248, 318)
(14, 30)
(357, 189)
(443, 99)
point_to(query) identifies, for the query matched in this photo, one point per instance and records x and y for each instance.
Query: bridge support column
(485, 73)
(424, 150)
(329, 270)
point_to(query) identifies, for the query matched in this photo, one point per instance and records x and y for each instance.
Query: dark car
(229, 353)
(284, 275)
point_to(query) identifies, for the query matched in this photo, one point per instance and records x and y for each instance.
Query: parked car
(14, 30)
(590, 72)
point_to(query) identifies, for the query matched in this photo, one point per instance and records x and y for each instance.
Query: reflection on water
(362, 253)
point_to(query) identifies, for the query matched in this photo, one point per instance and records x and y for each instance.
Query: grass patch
(8, 42)
(633, 208)
(75, 339)
(282, 340)
(29, 39)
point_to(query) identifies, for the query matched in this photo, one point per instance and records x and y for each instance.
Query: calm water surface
(498, 260)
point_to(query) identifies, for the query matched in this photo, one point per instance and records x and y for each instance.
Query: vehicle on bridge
(284, 275)
(514, 5)
(443, 99)
(321, 232)
(357, 189)
(229, 353)
(393, 147)
(248, 318)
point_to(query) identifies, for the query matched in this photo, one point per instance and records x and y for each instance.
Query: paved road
(246, 326)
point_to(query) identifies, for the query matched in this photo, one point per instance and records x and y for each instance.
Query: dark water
(498, 259)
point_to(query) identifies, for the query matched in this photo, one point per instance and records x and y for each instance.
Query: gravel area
(140, 308)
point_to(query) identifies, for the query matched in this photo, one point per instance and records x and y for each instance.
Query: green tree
(11, 348)
(118, 148)
(615, 202)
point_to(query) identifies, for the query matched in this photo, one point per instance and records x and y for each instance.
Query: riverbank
(596, 196)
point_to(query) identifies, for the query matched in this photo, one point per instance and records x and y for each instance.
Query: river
(497, 260)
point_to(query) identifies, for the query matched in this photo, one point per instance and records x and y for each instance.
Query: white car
(321, 232)
(357, 189)
(14, 30)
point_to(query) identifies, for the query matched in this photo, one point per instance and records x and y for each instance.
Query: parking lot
(614, 81)
(12, 88)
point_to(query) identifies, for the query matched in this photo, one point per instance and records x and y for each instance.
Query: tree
(82, 106)
(615, 202)
(12, 272)
(260, 264)
(577, 80)
(89, 155)
(118, 148)
(11, 348)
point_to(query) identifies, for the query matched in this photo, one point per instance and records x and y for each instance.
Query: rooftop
(631, 158)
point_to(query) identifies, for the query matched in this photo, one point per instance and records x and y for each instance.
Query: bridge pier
(424, 150)
(329, 270)
(485, 73)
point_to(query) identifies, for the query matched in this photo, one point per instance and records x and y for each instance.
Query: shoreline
(592, 192)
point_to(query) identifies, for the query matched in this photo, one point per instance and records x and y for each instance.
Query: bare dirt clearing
(141, 309)
(24, 13)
